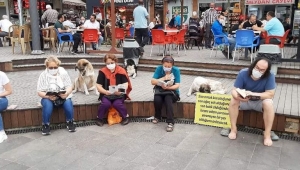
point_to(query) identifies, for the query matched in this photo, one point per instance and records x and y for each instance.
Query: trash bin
(131, 50)
(271, 52)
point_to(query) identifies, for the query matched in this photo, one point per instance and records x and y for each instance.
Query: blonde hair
(52, 58)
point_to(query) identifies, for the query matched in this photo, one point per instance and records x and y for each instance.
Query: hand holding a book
(52, 98)
(63, 95)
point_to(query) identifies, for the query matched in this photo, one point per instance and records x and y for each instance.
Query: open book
(242, 93)
(55, 93)
(113, 89)
(167, 83)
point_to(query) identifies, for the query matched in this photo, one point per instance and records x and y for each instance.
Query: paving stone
(133, 166)
(172, 139)
(14, 166)
(178, 159)
(253, 166)
(195, 140)
(4, 162)
(266, 155)
(217, 144)
(289, 158)
(240, 151)
(231, 164)
(204, 161)
(112, 163)
(12, 143)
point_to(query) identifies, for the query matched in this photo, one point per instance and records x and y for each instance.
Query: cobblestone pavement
(145, 146)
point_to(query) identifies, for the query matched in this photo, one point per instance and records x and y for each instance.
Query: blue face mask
(166, 69)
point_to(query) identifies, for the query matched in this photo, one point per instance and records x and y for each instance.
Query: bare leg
(233, 114)
(268, 120)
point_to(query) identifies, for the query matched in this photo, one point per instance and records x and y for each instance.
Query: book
(55, 93)
(120, 88)
(242, 93)
(165, 83)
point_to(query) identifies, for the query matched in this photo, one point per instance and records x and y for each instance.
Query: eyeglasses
(260, 70)
(51, 68)
(110, 63)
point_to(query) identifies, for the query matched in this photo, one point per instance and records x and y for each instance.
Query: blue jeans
(231, 43)
(3, 106)
(48, 109)
(100, 40)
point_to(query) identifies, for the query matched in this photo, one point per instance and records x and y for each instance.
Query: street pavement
(137, 146)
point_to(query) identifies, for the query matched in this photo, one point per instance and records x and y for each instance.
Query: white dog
(201, 84)
(85, 81)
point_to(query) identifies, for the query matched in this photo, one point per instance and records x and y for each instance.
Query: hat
(48, 7)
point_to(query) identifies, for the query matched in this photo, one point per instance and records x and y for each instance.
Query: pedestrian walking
(210, 16)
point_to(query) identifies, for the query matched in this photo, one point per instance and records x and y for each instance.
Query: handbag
(59, 102)
(158, 90)
(113, 116)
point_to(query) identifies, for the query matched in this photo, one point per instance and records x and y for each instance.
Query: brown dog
(85, 81)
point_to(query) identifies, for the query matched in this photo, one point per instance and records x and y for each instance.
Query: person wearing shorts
(258, 81)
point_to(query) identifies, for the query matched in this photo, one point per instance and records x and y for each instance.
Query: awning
(268, 2)
(74, 2)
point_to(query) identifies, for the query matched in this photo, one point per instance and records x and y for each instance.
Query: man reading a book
(258, 88)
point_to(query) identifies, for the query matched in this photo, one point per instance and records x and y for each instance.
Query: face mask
(256, 74)
(53, 71)
(211, 8)
(111, 66)
(166, 69)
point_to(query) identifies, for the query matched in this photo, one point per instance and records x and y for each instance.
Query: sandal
(155, 120)
(274, 137)
(225, 132)
(170, 127)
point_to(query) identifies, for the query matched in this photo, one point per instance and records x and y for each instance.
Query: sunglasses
(51, 68)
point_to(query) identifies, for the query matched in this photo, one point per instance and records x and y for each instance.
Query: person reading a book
(55, 88)
(5, 90)
(166, 81)
(114, 86)
(258, 85)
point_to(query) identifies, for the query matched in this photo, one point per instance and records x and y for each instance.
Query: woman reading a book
(55, 88)
(5, 90)
(114, 86)
(166, 81)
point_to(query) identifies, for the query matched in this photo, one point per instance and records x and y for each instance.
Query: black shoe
(125, 121)
(46, 130)
(71, 126)
(74, 52)
(99, 122)
(230, 56)
(224, 53)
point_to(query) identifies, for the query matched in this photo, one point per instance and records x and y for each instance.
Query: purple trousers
(118, 104)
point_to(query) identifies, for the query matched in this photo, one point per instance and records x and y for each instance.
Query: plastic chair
(50, 37)
(90, 36)
(14, 36)
(282, 40)
(107, 35)
(120, 35)
(25, 38)
(245, 39)
(60, 41)
(158, 38)
(150, 37)
(179, 39)
(217, 44)
(131, 31)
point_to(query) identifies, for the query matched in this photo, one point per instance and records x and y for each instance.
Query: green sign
(178, 9)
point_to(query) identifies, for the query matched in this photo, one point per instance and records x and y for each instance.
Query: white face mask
(256, 74)
(166, 69)
(53, 71)
(111, 66)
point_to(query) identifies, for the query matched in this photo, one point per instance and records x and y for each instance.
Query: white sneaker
(3, 136)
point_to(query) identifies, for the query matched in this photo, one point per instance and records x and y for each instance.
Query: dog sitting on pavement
(203, 85)
(85, 81)
(131, 68)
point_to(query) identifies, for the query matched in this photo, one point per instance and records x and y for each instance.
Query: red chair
(158, 38)
(120, 35)
(90, 36)
(282, 40)
(179, 39)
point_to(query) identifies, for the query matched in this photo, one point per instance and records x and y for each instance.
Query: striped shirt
(50, 15)
(210, 16)
(193, 25)
(62, 80)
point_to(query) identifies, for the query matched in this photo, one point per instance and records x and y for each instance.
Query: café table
(256, 32)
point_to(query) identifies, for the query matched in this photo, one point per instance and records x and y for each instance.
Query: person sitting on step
(259, 83)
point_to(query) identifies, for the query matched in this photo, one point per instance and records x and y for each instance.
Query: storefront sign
(226, 1)
(121, 2)
(268, 2)
(2, 3)
(212, 109)
(178, 10)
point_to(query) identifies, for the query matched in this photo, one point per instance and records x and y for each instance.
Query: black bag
(59, 101)
(274, 58)
(158, 90)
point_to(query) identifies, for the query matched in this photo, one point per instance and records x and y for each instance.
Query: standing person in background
(209, 18)
(141, 17)
(5, 90)
(50, 15)
(172, 22)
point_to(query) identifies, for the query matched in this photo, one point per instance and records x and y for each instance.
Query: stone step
(280, 78)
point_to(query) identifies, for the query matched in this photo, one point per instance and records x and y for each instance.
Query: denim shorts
(253, 105)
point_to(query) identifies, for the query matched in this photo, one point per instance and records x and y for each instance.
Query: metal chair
(218, 43)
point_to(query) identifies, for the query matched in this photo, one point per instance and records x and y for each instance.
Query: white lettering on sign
(268, 2)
